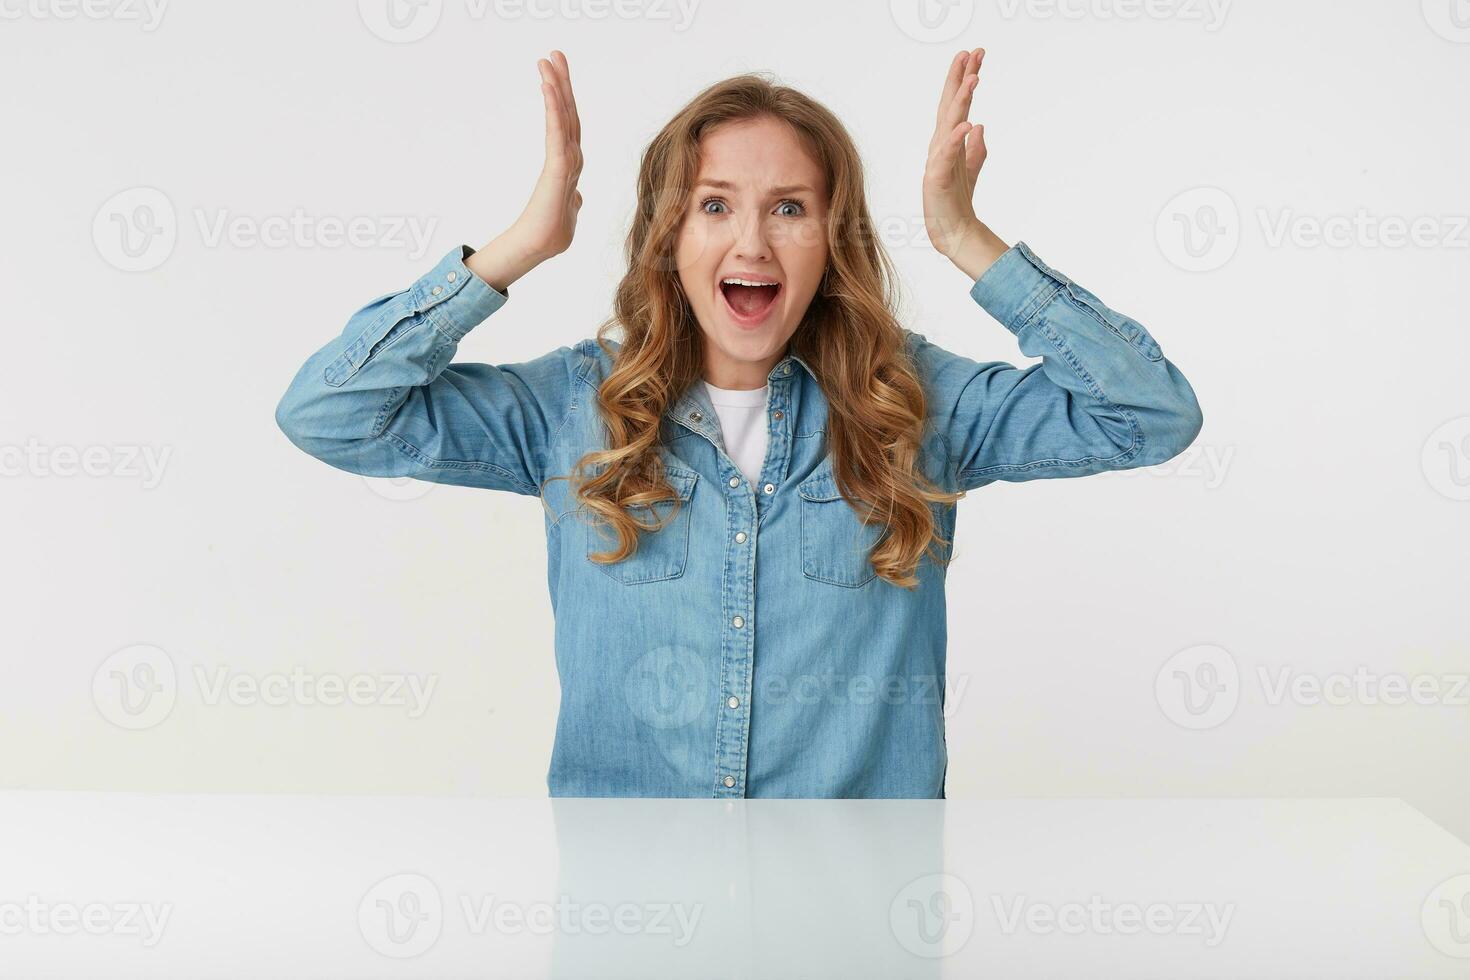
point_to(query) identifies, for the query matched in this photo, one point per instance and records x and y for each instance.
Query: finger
(958, 107)
(951, 83)
(975, 154)
(548, 77)
(556, 141)
(575, 126)
(947, 153)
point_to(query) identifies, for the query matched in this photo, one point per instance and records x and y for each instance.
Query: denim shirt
(747, 649)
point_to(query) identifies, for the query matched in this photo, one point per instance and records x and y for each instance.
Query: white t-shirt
(743, 426)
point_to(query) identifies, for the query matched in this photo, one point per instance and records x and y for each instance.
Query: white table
(122, 885)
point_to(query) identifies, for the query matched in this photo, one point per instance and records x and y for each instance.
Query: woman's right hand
(546, 226)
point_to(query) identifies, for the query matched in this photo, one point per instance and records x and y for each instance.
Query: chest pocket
(834, 541)
(661, 554)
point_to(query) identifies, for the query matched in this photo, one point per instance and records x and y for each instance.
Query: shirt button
(696, 416)
(437, 290)
(786, 369)
(738, 621)
(729, 780)
(739, 537)
(734, 702)
(768, 488)
(452, 276)
(734, 481)
(777, 414)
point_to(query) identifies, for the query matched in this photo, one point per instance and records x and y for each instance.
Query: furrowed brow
(727, 186)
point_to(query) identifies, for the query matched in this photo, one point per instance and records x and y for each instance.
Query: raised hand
(548, 222)
(956, 154)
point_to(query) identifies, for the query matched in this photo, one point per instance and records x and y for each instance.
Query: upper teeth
(748, 282)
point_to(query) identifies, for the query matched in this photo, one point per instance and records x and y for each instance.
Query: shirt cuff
(1015, 286)
(454, 297)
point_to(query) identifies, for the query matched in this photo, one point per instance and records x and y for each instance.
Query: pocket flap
(821, 485)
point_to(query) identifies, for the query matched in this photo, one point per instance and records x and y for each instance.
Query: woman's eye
(800, 209)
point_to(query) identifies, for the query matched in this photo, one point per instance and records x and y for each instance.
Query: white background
(1318, 527)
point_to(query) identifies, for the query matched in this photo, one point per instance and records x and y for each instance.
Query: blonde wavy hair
(850, 336)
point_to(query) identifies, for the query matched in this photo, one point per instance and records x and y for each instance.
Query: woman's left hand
(956, 154)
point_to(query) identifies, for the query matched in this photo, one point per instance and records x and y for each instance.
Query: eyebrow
(726, 185)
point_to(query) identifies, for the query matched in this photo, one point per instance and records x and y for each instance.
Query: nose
(750, 242)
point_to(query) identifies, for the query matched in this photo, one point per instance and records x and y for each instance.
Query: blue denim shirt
(748, 648)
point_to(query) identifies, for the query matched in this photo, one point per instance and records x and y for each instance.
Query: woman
(750, 497)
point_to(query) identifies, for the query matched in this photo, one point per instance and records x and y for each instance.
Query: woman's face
(758, 212)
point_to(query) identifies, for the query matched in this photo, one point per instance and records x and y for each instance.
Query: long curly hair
(850, 336)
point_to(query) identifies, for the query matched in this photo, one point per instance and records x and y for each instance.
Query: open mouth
(749, 300)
